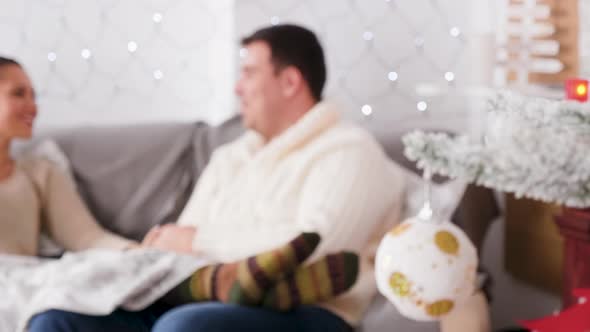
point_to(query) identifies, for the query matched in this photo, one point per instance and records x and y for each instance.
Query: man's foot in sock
(327, 278)
(246, 281)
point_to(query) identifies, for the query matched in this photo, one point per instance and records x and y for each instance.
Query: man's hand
(171, 238)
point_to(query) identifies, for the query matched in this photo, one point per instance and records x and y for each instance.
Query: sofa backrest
(135, 177)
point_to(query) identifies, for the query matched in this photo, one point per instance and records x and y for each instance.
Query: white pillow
(444, 198)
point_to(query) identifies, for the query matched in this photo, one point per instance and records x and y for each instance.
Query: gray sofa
(135, 177)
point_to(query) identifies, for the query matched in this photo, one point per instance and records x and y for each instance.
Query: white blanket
(93, 282)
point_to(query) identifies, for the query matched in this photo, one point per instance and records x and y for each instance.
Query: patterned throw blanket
(94, 282)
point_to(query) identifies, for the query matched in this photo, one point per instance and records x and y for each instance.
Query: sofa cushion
(134, 177)
(129, 176)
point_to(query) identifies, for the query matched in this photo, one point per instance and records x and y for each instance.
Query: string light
(158, 74)
(367, 110)
(85, 54)
(157, 17)
(275, 20)
(392, 76)
(422, 106)
(132, 47)
(368, 35)
(455, 32)
(449, 76)
(51, 56)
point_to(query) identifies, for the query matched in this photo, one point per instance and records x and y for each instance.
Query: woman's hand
(171, 237)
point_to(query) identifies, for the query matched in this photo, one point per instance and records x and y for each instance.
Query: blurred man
(298, 169)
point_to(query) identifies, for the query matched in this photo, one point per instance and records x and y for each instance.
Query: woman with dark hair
(34, 193)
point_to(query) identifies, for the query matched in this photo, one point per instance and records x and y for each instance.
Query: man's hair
(8, 62)
(292, 45)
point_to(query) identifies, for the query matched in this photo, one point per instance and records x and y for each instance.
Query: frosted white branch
(534, 148)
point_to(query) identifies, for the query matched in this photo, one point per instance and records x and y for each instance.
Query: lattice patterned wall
(113, 61)
(101, 61)
(379, 51)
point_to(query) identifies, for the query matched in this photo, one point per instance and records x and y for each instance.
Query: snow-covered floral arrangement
(533, 147)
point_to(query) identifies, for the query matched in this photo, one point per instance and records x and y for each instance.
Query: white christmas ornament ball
(426, 268)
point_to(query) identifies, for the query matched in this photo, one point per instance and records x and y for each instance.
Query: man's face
(259, 89)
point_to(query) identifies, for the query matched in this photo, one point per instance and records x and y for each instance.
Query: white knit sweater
(320, 175)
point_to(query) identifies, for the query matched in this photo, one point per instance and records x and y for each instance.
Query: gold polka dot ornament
(426, 266)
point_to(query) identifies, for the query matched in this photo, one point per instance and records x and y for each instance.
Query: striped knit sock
(320, 281)
(246, 281)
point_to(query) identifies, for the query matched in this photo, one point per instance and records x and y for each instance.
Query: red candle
(576, 89)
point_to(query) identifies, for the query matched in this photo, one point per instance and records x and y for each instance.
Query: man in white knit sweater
(298, 169)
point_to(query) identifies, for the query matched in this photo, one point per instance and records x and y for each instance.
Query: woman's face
(17, 103)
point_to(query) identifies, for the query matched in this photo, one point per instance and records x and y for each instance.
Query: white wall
(191, 48)
(358, 68)
(194, 48)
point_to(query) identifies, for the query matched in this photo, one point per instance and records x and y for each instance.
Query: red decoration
(576, 89)
(574, 226)
(574, 319)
